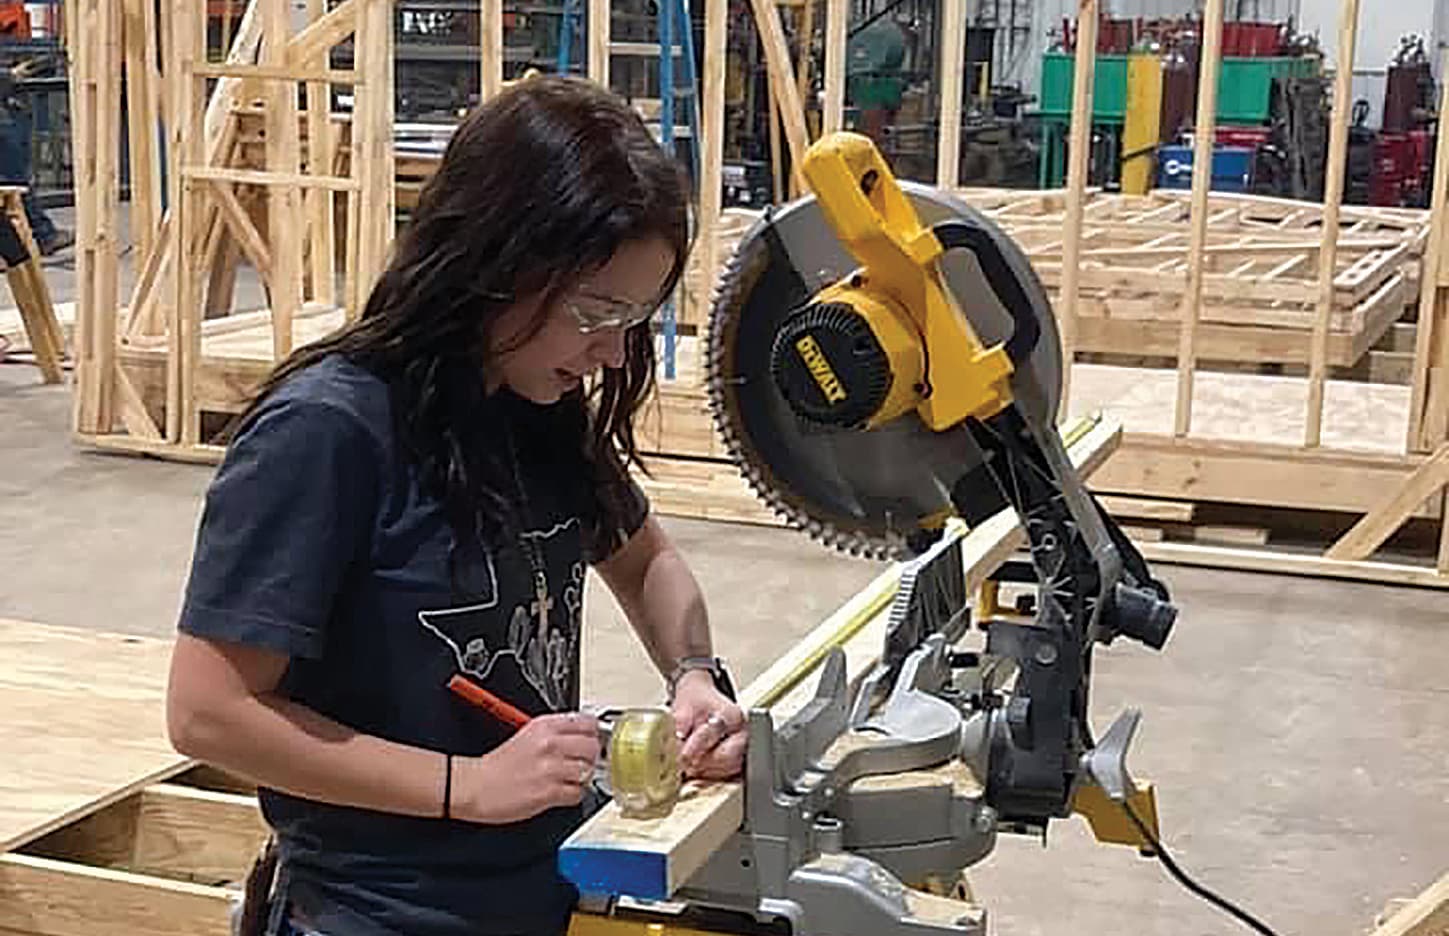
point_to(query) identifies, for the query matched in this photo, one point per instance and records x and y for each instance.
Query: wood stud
(1079, 146)
(1205, 130)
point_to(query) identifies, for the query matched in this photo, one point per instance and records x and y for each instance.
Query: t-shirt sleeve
(287, 513)
(635, 511)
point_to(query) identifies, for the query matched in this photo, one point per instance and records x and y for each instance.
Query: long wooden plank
(1433, 299)
(782, 80)
(321, 218)
(652, 858)
(711, 192)
(1204, 132)
(837, 16)
(1425, 915)
(490, 36)
(84, 724)
(284, 210)
(953, 66)
(1247, 473)
(600, 29)
(1379, 524)
(142, 108)
(1079, 146)
(44, 897)
(1276, 562)
(1332, 215)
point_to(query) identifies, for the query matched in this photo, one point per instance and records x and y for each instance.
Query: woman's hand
(546, 764)
(711, 728)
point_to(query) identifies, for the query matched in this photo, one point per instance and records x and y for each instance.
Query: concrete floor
(1298, 730)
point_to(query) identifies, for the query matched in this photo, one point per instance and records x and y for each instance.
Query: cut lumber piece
(1138, 508)
(1425, 915)
(84, 724)
(1230, 535)
(653, 858)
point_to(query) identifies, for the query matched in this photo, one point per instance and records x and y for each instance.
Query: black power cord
(1181, 877)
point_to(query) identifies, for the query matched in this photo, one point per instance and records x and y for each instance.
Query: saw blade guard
(868, 493)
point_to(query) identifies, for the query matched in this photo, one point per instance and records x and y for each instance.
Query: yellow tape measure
(644, 762)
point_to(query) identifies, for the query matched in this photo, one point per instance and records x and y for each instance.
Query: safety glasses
(596, 313)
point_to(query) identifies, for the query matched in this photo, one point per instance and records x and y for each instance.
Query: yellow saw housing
(938, 366)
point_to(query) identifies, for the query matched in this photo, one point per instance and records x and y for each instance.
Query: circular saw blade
(862, 492)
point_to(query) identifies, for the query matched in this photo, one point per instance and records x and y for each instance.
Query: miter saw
(884, 367)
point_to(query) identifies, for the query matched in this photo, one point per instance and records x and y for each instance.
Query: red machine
(1401, 169)
(1404, 151)
(14, 21)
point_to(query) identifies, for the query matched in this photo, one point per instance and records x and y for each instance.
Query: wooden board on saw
(84, 724)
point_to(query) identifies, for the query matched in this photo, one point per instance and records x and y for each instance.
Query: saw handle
(1004, 282)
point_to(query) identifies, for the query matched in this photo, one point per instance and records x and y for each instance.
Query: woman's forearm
(289, 747)
(668, 611)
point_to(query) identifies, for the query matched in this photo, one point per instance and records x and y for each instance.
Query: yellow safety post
(1142, 128)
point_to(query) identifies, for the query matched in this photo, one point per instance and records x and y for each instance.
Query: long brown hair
(538, 186)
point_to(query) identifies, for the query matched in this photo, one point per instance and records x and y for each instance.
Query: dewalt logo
(820, 369)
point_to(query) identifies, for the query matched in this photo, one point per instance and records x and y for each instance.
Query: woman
(415, 498)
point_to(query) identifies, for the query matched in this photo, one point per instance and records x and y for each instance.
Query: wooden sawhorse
(27, 284)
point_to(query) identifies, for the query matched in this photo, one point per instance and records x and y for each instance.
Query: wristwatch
(711, 664)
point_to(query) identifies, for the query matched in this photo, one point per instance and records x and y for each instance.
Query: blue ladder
(668, 10)
(567, 28)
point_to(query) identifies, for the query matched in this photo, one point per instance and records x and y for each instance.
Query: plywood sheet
(83, 724)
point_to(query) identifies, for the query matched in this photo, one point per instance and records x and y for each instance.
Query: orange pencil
(467, 689)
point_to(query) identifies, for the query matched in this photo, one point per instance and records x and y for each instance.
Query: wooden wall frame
(241, 187)
(1419, 466)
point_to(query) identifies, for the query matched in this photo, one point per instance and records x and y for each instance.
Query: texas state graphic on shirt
(542, 643)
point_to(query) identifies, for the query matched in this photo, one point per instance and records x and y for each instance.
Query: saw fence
(1264, 355)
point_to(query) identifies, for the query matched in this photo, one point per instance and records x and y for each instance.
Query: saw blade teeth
(724, 309)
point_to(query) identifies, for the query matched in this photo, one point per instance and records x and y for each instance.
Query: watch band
(711, 664)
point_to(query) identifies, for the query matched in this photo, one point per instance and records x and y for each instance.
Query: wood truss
(1260, 284)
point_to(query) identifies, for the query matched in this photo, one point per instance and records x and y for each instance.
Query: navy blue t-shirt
(317, 542)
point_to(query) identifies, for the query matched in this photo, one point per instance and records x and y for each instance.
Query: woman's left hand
(711, 729)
